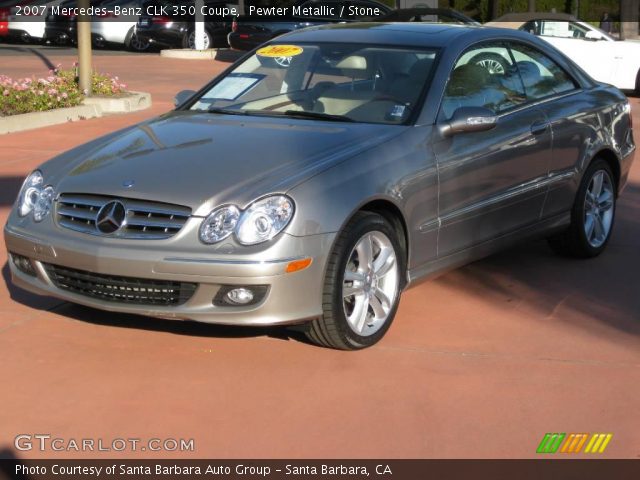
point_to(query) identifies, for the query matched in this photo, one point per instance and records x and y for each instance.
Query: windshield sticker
(234, 85)
(280, 51)
(397, 111)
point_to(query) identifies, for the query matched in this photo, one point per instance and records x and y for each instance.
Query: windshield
(325, 81)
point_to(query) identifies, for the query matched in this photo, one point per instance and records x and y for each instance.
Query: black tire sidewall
(354, 232)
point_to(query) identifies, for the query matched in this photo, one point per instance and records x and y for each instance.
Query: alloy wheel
(598, 208)
(370, 283)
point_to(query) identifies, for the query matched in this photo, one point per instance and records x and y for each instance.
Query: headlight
(35, 197)
(43, 205)
(264, 219)
(29, 193)
(219, 224)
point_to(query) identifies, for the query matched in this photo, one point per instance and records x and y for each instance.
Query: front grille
(143, 219)
(112, 288)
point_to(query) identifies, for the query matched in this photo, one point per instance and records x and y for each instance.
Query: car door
(557, 94)
(490, 182)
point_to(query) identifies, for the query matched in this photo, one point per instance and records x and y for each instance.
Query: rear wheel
(135, 43)
(592, 215)
(362, 285)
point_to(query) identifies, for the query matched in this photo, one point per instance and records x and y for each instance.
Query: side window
(540, 75)
(559, 29)
(483, 77)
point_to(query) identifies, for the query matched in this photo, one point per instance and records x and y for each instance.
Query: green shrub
(57, 90)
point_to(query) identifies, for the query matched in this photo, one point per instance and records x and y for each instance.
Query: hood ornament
(128, 183)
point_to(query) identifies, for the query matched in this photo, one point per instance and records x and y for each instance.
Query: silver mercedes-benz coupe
(315, 190)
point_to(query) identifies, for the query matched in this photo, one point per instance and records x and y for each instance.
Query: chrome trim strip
(520, 190)
(231, 262)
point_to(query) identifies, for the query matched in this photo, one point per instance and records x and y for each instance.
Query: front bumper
(291, 297)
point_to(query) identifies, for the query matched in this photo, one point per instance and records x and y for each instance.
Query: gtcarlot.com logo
(574, 442)
(46, 442)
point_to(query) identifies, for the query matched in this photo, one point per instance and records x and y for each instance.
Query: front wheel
(189, 40)
(494, 63)
(592, 215)
(362, 285)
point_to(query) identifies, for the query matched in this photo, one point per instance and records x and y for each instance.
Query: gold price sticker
(280, 51)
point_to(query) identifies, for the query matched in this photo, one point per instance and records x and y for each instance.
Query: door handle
(538, 128)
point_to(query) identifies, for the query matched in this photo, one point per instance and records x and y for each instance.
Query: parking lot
(480, 362)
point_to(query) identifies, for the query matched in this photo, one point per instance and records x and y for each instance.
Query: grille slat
(143, 219)
(113, 288)
(159, 223)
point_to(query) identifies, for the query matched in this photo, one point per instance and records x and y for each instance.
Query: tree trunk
(629, 16)
(84, 49)
(532, 5)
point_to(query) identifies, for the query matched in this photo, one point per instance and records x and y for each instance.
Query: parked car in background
(426, 14)
(60, 27)
(27, 22)
(5, 8)
(247, 32)
(176, 30)
(602, 56)
(114, 30)
(315, 194)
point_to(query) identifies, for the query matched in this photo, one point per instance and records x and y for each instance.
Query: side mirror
(591, 35)
(182, 97)
(468, 119)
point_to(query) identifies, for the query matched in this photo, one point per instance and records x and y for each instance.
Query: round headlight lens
(219, 224)
(42, 206)
(30, 193)
(264, 219)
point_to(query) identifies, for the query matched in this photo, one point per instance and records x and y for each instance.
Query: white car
(118, 30)
(602, 56)
(27, 19)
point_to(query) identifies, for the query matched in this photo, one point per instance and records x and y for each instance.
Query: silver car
(314, 194)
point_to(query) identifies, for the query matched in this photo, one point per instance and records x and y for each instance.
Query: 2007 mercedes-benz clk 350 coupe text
(313, 191)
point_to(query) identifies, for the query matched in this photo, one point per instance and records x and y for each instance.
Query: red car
(4, 18)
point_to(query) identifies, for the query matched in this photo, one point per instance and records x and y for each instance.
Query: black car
(61, 28)
(247, 32)
(170, 23)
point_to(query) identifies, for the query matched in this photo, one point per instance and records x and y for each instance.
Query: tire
(354, 316)
(189, 40)
(134, 43)
(493, 62)
(591, 222)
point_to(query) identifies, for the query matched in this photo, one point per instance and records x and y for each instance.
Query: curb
(91, 108)
(188, 54)
(133, 102)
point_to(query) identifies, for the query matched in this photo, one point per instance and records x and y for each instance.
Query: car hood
(202, 160)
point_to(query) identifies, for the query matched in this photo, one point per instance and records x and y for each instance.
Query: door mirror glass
(182, 97)
(468, 119)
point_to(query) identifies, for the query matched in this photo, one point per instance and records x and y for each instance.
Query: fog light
(237, 296)
(23, 264)
(241, 296)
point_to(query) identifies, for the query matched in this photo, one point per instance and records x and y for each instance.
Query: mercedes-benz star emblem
(111, 217)
(128, 183)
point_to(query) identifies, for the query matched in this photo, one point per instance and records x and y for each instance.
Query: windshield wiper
(317, 115)
(226, 111)
(287, 113)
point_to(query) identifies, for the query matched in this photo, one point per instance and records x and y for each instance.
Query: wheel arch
(612, 160)
(392, 213)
